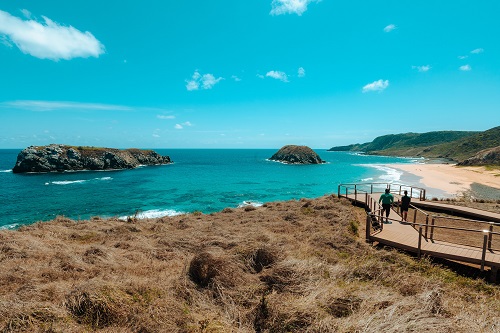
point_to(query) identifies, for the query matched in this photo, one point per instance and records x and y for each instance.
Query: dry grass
(294, 266)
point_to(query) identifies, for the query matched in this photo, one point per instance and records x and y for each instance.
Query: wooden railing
(414, 192)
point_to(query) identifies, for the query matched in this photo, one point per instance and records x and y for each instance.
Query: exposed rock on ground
(292, 154)
(56, 157)
(489, 156)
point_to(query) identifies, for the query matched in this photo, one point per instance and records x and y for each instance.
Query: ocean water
(205, 180)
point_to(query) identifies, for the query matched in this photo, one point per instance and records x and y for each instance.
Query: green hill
(453, 145)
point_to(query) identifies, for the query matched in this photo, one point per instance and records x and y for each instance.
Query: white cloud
(477, 51)
(424, 68)
(235, 78)
(463, 57)
(155, 135)
(207, 81)
(390, 27)
(301, 72)
(277, 75)
(298, 7)
(379, 85)
(48, 39)
(160, 116)
(465, 68)
(187, 123)
(62, 105)
(26, 13)
(178, 126)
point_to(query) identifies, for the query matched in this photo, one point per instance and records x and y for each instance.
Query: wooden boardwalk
(406, 236)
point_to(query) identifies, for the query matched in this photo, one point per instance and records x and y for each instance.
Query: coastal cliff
(56, 157)
(484, 157)
(292, 154)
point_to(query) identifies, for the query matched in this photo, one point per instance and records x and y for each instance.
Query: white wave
(9, 226)
(67, 182)
(152, 214)
(391, 175)
(250, 203)
(104, 178)
(366, 179)
(9, 170)
(79, 181)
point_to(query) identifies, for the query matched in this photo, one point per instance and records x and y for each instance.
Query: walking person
(387, 200)
(405, 205)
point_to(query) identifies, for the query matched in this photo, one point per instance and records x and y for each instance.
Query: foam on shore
(153, 214)
(8, 170)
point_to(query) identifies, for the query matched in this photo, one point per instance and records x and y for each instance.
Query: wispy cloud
(181, 126)
(477, 51)
(390, 28)
(463, 57)
(280, 7)
(164, 117)
(379, 85)
(424, 68)
(235, 78)
(465, 68)
(206, 81)
(301, 72)
(62, 105)
(48, 39)
(277, 75)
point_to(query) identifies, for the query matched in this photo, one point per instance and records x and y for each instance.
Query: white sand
(451, 178)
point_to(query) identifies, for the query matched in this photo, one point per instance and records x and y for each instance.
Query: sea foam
(79, 181)
(250, 203)
(153, 214)
(8, 170)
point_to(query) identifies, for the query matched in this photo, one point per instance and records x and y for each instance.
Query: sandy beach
(450, 178)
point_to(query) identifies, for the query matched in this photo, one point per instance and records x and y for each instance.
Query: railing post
(419, 253)
(411, 192)
(432, 228)
(490, 237)
(371, 188)
(426, 225)
(368, 225)
(346, 191)
(415, 215)
(366, 200)
(355, 193)
(338, 191)
(483, 257)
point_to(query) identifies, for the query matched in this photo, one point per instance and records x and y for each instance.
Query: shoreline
(450, 179)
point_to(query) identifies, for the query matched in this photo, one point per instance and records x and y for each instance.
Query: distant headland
(292, 154)
(58, 157)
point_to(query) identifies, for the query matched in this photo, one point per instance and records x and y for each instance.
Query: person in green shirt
(387, 200)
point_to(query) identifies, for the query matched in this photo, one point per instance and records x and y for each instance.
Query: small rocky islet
(58, 157)
(293, 154)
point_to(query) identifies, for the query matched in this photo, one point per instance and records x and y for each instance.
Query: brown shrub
(97, 307)
(343, 307)
(262, 258)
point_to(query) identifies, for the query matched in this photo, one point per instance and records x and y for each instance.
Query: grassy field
(295, 266)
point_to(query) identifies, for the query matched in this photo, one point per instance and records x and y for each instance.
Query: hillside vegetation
(295, 266)
(454, 145)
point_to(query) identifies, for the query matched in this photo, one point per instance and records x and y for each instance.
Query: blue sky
(244, 74)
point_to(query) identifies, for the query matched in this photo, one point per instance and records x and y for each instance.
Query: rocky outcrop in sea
(56, 157)
(292, 154)
(489, 156)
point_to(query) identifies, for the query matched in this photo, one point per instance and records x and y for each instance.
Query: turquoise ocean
(206, 180)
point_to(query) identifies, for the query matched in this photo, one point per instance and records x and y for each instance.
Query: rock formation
(291, 154)
(489, 156)
(56, 157)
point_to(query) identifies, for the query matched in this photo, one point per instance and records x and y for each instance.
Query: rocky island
(292, 154)
(56, 157)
